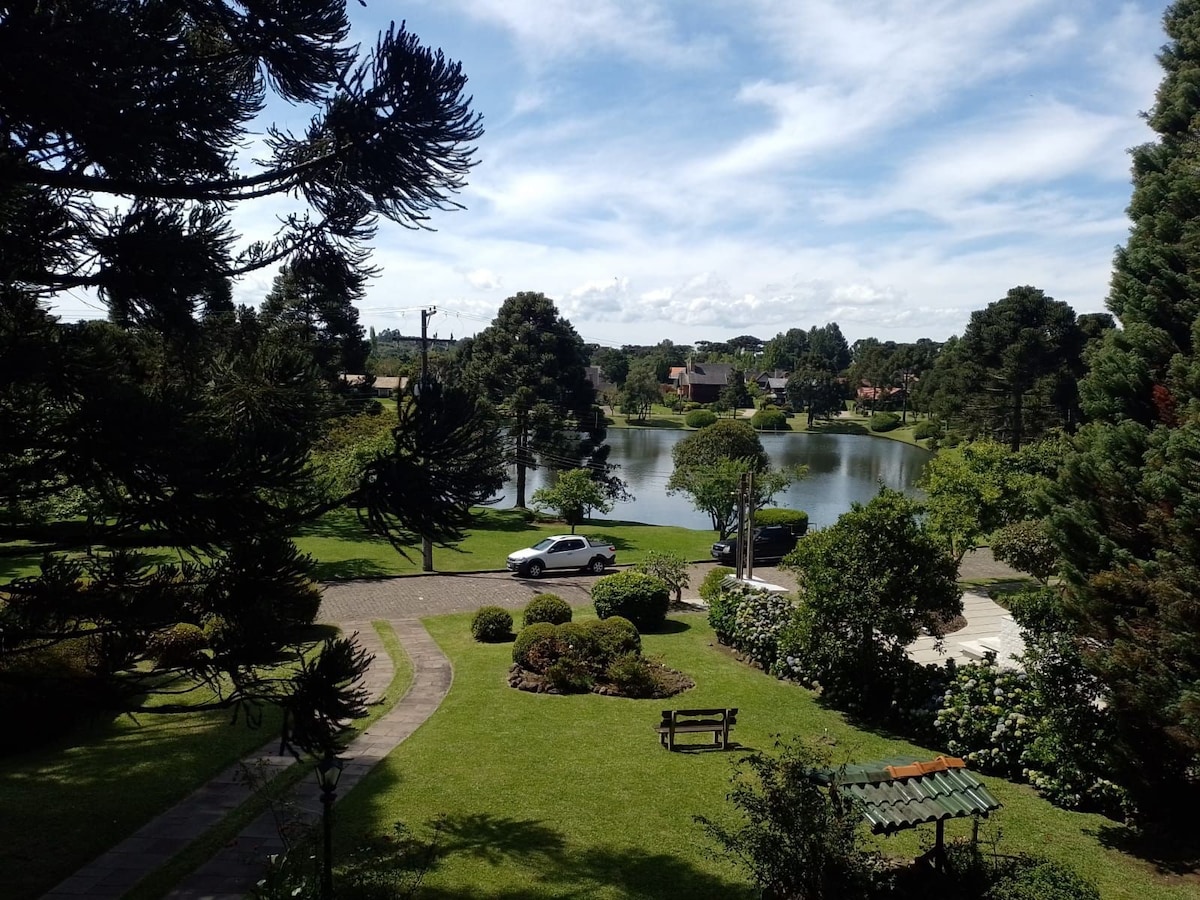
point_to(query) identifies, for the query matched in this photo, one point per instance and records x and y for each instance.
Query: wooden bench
(694, 721)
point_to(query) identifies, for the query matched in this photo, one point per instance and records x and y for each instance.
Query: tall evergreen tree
(191, 420)
(532, 365)
(1129, 500)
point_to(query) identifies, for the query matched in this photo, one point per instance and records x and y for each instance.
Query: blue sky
(698, 169)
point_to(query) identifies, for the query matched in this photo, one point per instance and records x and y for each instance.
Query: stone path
(984, 621)
(354, 605)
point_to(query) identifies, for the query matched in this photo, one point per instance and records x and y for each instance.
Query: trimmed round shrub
(632, 676)
(795, 519)
(491, 624)
(547, 608)
(927, 429)
(710, 587)
(883, 421)
(642, 599)
(770, 420)
(536, 647)
(577, 641)
(615, 636)
(178, 645)
(700, 418)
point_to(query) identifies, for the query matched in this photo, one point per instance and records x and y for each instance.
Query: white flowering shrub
(986, 717)
(758, 621)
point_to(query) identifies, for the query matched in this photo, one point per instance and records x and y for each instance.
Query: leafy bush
(985, 717)
(670, 567)
(578, 641)
(570, 675)
(757, 623)
(710, 587)
(536, 647)
(722, 613)
(547, 608)
(883, 421)
(796, 519)
(642, 599)
(927, 429)
(699, 418)
(691, 405)
(491, 624)
(179, 645)
(796, 838)
(614, 636)
(1026, 547)
(770, 420)
(1042, 880)
(632, 675)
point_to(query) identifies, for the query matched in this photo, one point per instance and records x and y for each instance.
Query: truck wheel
(596, 566)
(535, 569)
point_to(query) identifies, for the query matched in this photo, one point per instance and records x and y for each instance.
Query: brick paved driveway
(430, 595)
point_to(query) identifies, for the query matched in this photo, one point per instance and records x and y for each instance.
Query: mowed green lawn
(68, 800)
(344, 550)
(549, 796)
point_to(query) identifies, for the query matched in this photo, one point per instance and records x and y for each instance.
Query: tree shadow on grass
(671, 626)
(347, 569)
(569, 872)
(1174, 851)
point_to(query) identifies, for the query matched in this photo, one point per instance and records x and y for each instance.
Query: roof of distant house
(707, 373)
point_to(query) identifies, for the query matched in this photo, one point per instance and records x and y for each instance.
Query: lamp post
(329, 770)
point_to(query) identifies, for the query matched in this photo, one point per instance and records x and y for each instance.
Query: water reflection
(842, 468)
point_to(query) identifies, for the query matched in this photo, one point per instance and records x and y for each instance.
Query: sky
(700, 169)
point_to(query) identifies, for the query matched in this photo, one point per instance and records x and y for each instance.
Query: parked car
(563, 551)
(771, 543)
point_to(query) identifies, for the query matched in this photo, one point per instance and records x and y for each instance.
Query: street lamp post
(329, 770)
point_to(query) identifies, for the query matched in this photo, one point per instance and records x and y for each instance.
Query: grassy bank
(546, 796)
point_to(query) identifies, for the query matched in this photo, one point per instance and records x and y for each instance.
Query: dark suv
(771, 543)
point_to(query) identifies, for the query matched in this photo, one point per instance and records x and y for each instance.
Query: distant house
(702, 382)
(385, 386)
(773, 385)
(601, 386)
(879, 396)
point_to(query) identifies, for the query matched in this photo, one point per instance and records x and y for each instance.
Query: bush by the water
(491, 624)
(642, 599)
(927, 429)
(547, 608)
(710, 587)
(795, 519)
(700, 418)
(770, 420)
(883, 421)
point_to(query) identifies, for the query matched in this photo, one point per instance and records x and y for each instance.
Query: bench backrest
(674, 715)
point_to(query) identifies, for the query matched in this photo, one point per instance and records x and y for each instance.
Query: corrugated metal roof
(889, 803)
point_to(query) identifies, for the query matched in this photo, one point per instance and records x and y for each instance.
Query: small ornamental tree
(573, 496)
(671, 568)
(869, 585)
(1027, 548)
(796, 838)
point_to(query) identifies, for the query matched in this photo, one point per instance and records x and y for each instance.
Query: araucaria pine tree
(1128, 505)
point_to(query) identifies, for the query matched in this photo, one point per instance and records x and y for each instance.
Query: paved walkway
(353, 606)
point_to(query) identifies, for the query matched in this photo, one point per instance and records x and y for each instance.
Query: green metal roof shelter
(904, 792)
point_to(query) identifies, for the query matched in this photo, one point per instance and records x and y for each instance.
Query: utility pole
(749, 525)
(740, 556)
(426, 315)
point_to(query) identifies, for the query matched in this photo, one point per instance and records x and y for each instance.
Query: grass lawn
(546, 796)
(344, 550)
(69, 800)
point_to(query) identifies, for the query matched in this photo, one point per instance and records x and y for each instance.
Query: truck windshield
(543, 545)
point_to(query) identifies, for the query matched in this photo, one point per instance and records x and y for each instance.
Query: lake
(842, 468)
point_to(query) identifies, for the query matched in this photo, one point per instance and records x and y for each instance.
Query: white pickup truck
(563, 551)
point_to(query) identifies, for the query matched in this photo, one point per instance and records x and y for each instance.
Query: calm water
(842, 468)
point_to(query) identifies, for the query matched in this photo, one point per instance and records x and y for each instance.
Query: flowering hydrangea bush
(757, 623)
(985, 717)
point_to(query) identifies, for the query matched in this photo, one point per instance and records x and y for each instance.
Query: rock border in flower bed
(671, 682)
